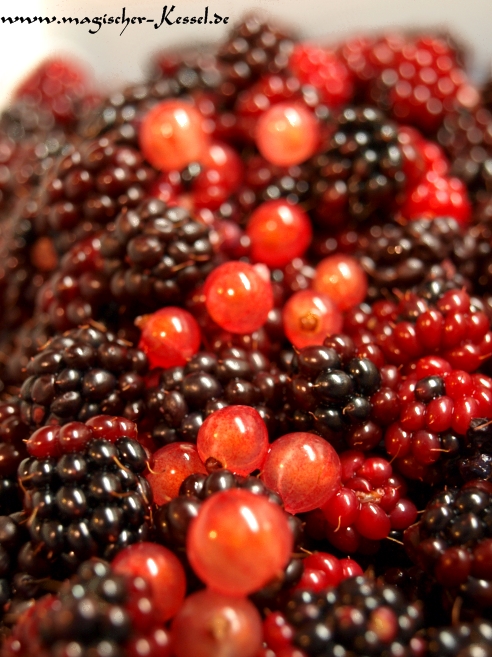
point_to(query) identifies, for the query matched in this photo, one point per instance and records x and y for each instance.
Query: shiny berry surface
(170, 336)
(172, 135)
(235, 438)
(161, 569)
(303, 469)
(309, 317)
(279, 232)
(210, 624)
(342, 279)
(287, 134)
(232, 529)
(238, 297)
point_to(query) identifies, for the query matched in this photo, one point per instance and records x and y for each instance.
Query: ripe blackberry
(185, 396)
(83, 373)
(330, 392)
(13, 432)
(84, 493)
(154, 254)
(467, 138)
(359, 171)
(358, 617)
(436, 320)
(254, 48)
(453, 542)
(95, 612)
(404, 256)
(191, 70)
(459, 639)
(88, 186)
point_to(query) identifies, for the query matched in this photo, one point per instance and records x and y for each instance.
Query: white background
(117, 58)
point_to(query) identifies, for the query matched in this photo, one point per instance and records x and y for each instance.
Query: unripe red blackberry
(83, 373)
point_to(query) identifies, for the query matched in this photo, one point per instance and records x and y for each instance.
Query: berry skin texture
(279, 232)
(304, 470)
(309, 317)
(161, 569)
(236, 437)
(438, 196)
(170, 336)
(237, 297)
(287, 134)
(239, 542)
(170, 467)
(172, 135)
(342, 279)
(210, 624)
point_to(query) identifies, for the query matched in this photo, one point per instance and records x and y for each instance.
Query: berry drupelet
(330, 391)
(96, 612)
(154, 254)
(459, 639)
(84, 493)
(453, 543)
(13, 432)
(82, 373)
(358, 617)
(360, 170)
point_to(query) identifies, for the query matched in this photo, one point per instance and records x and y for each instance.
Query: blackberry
(185, 396)
(359, 170)
(358, 617)
(84, 493)
(154, 254)
(88, 186)
(467, 138)
(13, 432)
(330, 391)
(255, 47)
(191, 70)
(404, 256)
(82, 373)
(453, 542)
(95, 612)
(462, 639)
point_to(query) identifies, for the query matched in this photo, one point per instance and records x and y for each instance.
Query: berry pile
(245, 332)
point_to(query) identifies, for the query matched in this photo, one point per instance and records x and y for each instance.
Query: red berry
(325, 71)
(309, 317)
(342, 279)
(172, 135)
(238, 297)
(233, 529)
(287, 134)
(279, 232)
(210, 624)
(438, 196)
(169, 468)
(170, 336)
(234, 437)
(161, 569)
(303, 469)
(326, 563)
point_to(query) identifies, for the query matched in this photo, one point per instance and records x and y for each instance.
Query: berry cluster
(246, 331)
